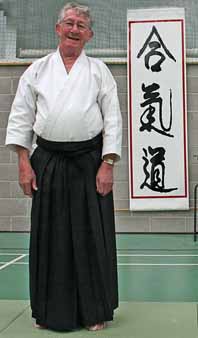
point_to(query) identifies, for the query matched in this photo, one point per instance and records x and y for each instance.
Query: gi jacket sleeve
(112, 119)
(22, 116)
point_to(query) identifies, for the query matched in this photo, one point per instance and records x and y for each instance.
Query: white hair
(80, 9)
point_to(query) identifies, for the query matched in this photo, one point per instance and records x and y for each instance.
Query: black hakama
(73, 270)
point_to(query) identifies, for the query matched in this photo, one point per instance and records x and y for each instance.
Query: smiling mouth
(73, 38)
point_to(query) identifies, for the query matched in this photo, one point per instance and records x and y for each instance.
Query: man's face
(73, 32)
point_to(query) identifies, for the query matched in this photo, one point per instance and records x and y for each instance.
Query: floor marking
(159, 264)
(14, 319)
(17, 263)
(153, 255)
(136, 264)
(12, 261)
(21, 263)
(11, 254)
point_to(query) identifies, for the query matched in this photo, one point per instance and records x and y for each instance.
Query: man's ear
(57, 29)
(90, 36)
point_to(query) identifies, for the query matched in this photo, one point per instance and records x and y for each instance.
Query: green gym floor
(158, 289)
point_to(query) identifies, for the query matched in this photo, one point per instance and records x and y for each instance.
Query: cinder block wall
(15, 208)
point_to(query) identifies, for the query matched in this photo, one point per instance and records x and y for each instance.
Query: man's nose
(75, 28)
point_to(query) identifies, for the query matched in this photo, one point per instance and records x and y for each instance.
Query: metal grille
(27, 26)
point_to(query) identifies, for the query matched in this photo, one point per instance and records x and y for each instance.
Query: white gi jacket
(61, 106)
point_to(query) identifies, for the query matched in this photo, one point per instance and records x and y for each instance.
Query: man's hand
(27, 177)
(104, 179)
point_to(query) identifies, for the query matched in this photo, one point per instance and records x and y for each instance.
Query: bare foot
(37, 326)
(96, 327)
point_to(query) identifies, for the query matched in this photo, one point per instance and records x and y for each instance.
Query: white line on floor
(158, 264)
(12, 261)
(21, 263)
(17, 263)
(120, 255)
(153, 255)
(11, 254)
(149, 264)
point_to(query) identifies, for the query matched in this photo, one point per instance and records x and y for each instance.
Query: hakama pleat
(73, 270)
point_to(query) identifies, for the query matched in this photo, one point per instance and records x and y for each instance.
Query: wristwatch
(109, 161)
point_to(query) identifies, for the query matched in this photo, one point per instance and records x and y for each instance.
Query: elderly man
(69, 101)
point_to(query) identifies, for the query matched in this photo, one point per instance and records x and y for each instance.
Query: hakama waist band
(73, 147)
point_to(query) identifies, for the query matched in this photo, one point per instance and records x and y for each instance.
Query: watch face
(109, 161)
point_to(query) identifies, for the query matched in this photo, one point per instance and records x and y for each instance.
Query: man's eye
(70, 24)
(82, 26)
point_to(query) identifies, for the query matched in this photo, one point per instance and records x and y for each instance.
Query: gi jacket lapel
(69, 83)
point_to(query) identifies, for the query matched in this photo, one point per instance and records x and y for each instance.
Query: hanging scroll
(158, 162)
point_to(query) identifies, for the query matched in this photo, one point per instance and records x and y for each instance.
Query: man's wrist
(109, 161)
